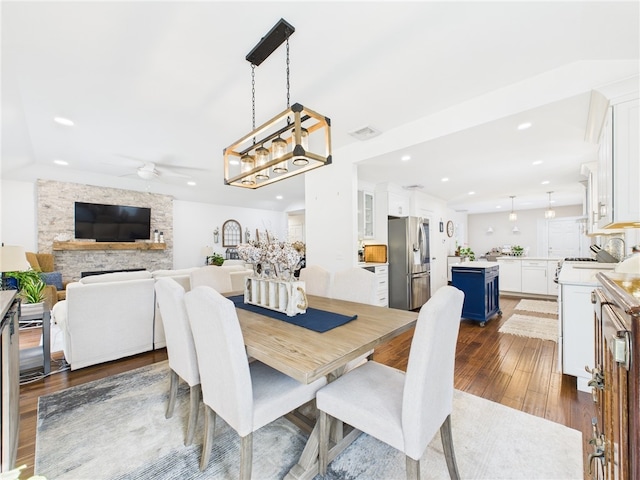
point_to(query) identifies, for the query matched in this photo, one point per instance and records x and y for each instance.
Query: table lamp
(12, 259)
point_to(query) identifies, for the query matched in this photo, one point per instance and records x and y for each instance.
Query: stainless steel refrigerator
(409, 262)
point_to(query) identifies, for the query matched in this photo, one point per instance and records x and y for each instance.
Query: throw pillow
(52, 278)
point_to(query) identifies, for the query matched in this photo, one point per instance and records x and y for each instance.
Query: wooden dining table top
(307, 355)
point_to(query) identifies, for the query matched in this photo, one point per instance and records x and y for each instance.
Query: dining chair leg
(209, 429)
(194, 404)
(323, 442)
(246, 456)
(173, 394)
(447, 445)
(413, 469)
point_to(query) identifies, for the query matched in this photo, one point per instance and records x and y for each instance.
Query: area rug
(529, 326)
(538, 306)
(115, 429)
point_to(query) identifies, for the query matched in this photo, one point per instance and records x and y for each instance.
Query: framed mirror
(231, 234)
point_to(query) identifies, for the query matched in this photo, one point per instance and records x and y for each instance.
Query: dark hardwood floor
(515, 371)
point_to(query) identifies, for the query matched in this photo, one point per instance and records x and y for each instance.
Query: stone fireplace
(55, 217)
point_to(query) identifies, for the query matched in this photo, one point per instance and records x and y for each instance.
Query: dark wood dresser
(615, 446)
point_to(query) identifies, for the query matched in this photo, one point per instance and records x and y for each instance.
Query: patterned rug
(115, 429)
(533, 327)
(538, 306)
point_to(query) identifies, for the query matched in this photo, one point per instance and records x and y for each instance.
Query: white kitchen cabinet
(382, 276)
(365, 214)
(590, 170)
(382, 279)
(510, 275)
(552, 286)
(534, 276)
(398, 205)
(576, 320)
(619, 166)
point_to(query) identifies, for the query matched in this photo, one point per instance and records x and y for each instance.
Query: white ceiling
(445, 82)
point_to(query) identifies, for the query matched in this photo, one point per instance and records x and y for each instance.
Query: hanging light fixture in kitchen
(279, 148)
(549, 212)
(513, 216)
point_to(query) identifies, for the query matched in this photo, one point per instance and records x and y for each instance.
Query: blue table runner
(317, 320)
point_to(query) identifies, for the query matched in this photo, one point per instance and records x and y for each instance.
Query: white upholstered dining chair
(212, 276)
(246, 396)
(355, 284)
(180, 348)
(401, 409)
(317, 280)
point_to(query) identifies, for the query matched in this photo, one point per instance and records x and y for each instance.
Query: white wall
(482, 242)
(193, 225)
(331, 216)
(19, 214)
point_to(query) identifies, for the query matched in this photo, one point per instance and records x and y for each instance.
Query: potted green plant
(31, 288)
(467, 252)
(517, 250)
(215, 259)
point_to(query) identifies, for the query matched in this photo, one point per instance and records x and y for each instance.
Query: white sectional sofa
(106, 317)
(115, 315)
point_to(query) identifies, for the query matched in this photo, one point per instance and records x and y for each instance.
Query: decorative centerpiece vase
(273, 284)
(279, 295)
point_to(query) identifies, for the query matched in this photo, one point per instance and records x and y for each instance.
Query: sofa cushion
(52, 278)
(234, 268)
(115, 277)
(173, 273)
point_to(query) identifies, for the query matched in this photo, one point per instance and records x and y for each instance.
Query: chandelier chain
(288, 84)
(253, 95)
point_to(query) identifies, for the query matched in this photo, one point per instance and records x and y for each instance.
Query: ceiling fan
(147, 170)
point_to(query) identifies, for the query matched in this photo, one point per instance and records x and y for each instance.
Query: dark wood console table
(9, 379)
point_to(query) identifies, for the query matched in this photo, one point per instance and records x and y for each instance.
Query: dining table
(307, 355)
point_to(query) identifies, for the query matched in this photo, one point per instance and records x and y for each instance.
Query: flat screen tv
(112, 223)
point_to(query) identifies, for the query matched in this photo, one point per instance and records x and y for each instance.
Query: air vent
(417, 186)
(365, 133)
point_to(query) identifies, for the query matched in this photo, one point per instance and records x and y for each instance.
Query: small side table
(36, 357)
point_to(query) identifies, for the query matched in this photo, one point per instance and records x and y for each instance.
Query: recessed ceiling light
(405, 158)
(63, 121)
(545, 182)
(191, 183)
(60, 162)
(445, 179)
(498, 206)
(279, 197)
(537, 162)
(524, 126)
(472, 193)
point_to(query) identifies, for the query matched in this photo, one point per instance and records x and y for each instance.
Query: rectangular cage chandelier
(295, 141)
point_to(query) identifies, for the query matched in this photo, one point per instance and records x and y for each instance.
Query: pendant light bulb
(513, 216)
(300, 161)
(247, 163)
(279, 149)
(262, 157)
(549, 213)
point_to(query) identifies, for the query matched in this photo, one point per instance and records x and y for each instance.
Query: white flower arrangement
(271, 258)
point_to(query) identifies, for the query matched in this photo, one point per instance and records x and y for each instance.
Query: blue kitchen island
(480, 283)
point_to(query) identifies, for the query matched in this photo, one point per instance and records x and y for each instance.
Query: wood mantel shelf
(108, 246)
